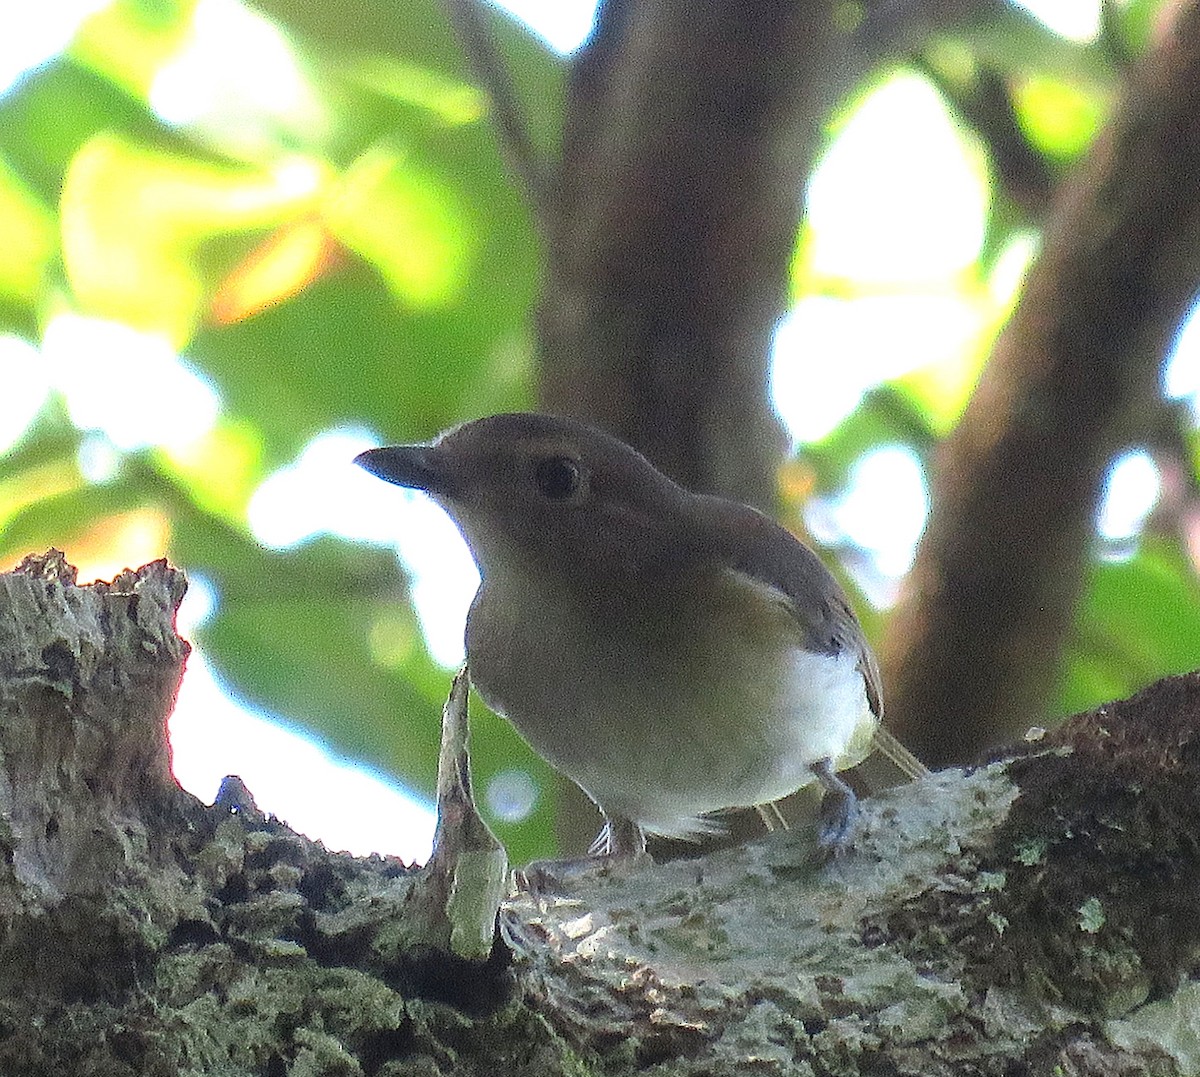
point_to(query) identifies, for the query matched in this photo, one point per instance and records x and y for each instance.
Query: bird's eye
(558, 477)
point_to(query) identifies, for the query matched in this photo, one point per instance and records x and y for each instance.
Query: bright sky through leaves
(129, 384)
(902, 195)
(26, 384)
(1131, 490)
(1181, 372)
(562, 25)
(31, 34)
(1077, 20)
(897, 215)
(323, 492)
(235, 68)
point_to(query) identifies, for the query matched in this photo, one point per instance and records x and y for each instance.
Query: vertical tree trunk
(973, 652)
(690, 129)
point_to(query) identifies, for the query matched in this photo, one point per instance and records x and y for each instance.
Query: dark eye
(558, 477)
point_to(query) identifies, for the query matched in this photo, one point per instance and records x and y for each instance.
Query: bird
(675, 654)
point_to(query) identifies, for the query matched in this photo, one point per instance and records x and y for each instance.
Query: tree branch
(470, 23)
(1037, 915)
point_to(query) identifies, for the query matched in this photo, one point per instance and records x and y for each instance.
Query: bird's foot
(838, 818)
(620, 839)
(619, 847)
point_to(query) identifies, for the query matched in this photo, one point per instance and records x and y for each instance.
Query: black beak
(420, 467)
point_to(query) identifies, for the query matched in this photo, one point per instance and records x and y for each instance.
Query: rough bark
(974, 649)
(1034, 916)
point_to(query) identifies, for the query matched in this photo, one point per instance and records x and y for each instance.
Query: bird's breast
(673, 702)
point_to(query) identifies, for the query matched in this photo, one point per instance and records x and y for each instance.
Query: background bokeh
(239, 244)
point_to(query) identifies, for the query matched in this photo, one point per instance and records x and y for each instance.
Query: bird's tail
(900, 757)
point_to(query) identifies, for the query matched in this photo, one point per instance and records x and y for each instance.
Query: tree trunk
(1035, 916)
(973, 653)
(689, 131)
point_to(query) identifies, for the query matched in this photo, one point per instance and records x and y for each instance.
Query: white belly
(718, 708)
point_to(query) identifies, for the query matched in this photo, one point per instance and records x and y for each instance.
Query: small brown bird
(672, 653)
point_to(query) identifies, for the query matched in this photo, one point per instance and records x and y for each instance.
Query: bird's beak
(421, 467)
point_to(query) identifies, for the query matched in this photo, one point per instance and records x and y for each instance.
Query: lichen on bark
(1029, 916)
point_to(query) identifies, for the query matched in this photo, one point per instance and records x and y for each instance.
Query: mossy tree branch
(1035, 915)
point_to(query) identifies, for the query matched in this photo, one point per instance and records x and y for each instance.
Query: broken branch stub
(87, 676)
(460, 890)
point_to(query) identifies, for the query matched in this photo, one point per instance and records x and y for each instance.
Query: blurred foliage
(331, 240)
(313, 211)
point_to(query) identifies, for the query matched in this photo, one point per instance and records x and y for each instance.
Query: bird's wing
(761, 549)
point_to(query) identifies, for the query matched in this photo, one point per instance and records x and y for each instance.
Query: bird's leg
(619, 839)
(621, 843)
(839, 809)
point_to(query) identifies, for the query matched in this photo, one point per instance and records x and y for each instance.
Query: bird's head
(546, 495)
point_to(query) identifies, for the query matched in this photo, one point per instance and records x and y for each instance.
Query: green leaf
(380, 42)
(409, 224)
(345, 353)
(1136, 22)
(303, 653)
(66, 517)
(154, 269)
(127, 42)
(1061, 119)
(1139, 620)
(27, 238)
(50, 114)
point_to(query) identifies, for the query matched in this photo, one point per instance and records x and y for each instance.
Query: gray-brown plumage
(674, 654)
